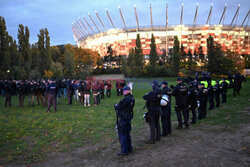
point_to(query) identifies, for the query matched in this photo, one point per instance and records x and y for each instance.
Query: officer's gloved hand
(116, 106)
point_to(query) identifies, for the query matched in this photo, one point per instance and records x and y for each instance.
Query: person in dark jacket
(210, 96)
(223, 88)
(192, 101)
(7, 90)
(108, 88)
(39, 93)
(202, 101)
(70, 91)
(180, 92)
(81, 91)
(52, 92)
(124, 112)
(31, 93)
(21, 91)
(217, 94)
(153, 99)
(166, 110)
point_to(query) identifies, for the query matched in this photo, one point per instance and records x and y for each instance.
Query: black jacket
(124, 109)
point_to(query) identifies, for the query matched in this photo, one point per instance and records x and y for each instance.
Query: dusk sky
(58, 16)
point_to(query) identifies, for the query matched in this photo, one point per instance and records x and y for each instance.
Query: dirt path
(202, 145)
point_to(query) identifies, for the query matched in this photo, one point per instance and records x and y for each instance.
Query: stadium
(232, 36)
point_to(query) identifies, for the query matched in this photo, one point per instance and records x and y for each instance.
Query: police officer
(52, 92)
(180, 92)
(153, 99)
(217, 94)
(223, 87)
(31, 93)
(192, 101)
(202, 101)
(124, 112)
(210, 96)
(166, 110)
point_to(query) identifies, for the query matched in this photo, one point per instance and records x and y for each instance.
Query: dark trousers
(217, 99)
(154, 125)
(182, 109)
(108, 92)
(193, 109)
(118, 92)
(166, 120)
(51, 101)
(202, 111)
(224, 97)
(69, 95)
(82, 97)
(7, 99)
(39, 98)
(211, 101)
(95, 99)
(125, 138)
(21, 99)
(102, 93)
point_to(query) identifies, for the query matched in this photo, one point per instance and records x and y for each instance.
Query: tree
(57, 70)
(24, 48)
(153, 52)
(139, 61)
(183, 54)
(69, 64)
(4, 49)
(176, 56)
(190, 60)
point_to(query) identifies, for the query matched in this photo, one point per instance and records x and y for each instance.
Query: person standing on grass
(21, 91)
(180, 92)
(124, 113)
(166, 110)
(52, 92)
(87, 93)
(223, 87)
(153, 99)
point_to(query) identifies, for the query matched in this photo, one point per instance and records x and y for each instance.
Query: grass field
(28, 134)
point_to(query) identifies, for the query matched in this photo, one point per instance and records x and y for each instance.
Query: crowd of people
(191, 94)
(47, 92)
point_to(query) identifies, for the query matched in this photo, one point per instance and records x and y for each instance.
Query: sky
(58, 15)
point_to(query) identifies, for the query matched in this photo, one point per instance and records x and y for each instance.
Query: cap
(126, 88)
(165, 83)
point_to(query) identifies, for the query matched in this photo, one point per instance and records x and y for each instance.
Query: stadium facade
(234, 37)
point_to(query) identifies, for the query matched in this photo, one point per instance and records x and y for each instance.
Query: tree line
(22, 60)
(177, 61)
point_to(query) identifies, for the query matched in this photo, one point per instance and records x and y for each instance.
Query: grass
(28, 134)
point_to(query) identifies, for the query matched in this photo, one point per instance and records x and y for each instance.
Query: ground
(223, 139)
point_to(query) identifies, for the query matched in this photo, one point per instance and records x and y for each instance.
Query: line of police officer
(188, 97)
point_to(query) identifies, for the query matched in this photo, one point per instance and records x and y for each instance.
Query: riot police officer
(166, 110)
(192, 101)
(210, 96)
(217, 94)
(223, 87)
(153, 99)
(180, 92)
(7, 90)
(202, 101)
(124, 112)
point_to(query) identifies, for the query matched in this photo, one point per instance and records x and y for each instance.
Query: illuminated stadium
(232, 36)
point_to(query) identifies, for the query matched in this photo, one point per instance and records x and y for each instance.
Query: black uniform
(202, 103)
(166, 113)
(217, 94)
(153, 105)
(223, 87)
(211, 96)
(124, 112)
(52, 92)
(192, 102)
(180, 92)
